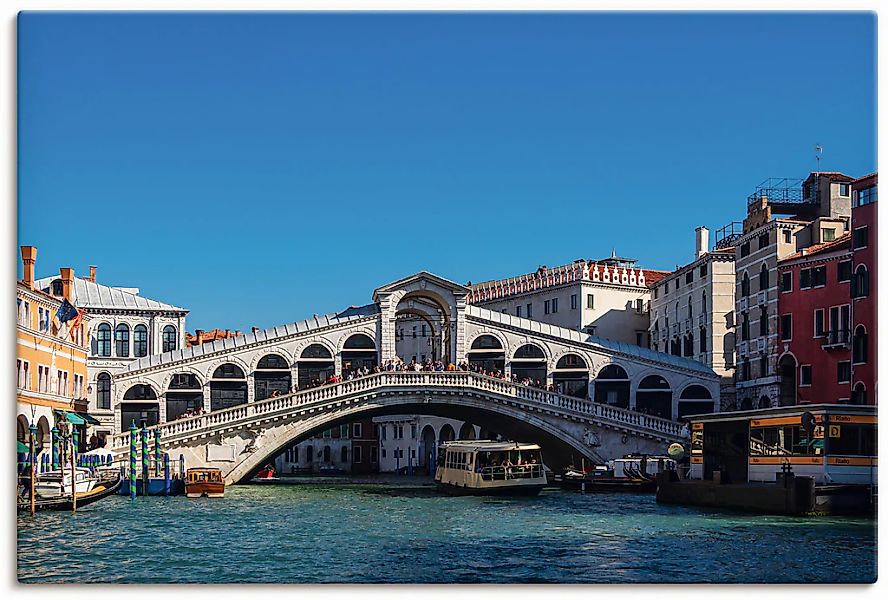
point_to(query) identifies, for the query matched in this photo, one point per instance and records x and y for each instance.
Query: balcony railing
(840, 338)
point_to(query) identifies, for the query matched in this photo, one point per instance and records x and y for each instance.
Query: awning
(21, 448)
(78, 418)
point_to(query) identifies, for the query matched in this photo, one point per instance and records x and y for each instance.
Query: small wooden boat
(102, 489)
(267, 473)
(204, 482)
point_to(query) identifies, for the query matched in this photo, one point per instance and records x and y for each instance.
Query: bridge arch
(514, 423)
(315, 362)
(530, 360)
(228, 386)
(466, 431)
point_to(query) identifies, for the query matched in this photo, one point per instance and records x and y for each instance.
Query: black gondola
(101, 490)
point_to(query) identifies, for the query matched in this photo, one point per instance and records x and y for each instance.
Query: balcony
(837, 340)
(701, 320)
(744, 303)
(762, 297)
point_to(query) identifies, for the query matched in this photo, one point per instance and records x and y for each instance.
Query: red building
(864, 222)
(365, 447)
(814, 325)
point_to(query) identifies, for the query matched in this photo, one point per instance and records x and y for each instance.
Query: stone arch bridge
(611, 398)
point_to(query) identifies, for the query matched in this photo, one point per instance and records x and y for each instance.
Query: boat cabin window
(785, 440)
(847, 439)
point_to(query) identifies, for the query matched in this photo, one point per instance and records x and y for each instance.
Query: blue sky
(259, 168)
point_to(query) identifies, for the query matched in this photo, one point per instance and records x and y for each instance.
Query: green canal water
(382, 532)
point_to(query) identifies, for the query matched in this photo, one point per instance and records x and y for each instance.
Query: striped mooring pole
(158, 456)
(54, 434)
(133, 458)
(166, 474)
(146, 460)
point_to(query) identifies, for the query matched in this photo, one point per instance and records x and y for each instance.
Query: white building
(330, 450)
(411, 441)
(605, 298)
(692, 311)
(123, 327)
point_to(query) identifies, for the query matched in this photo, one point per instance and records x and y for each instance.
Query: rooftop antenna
(613, 252)
(818, 151)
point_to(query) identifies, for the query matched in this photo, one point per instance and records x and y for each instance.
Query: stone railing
(316, 398)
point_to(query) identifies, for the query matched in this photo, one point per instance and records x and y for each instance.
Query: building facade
(51, 361)
(814, 325)
(692, 311)
(349, 448)
(124, 327)
(820, 212)
(864, 289)
(410, 442)
(606, 298)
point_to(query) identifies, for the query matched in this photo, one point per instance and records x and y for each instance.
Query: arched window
(689, 345)
(169, 339)
(703, 307)
(57, 287)
(571, 361)
(326, 454)
(103, 340)
(858, 395)
(703, 344)
(228, 371)
(486, 342)
(343, 456)
(316, 351)
(860, 288)
(529, 351)
(103, 391)
(860, 346)
(273, 361)
(744, 285)
(690, 308)
(764, 278)
(359, 341)
(140, 341)
(309, 453)
(121, 339)
(654, 397)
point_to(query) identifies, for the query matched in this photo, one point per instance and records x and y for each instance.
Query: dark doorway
(726, 449)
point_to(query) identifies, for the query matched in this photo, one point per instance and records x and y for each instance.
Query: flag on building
(66, 312)
(76, 322)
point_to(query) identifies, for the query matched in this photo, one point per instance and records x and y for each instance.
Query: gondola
(102, 489)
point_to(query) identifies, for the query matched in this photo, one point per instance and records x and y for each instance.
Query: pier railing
(319, 397)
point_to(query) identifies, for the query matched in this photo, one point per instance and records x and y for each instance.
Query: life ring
(625, 438)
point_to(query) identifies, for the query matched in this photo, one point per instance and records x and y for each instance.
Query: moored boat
(632, 473)
(101, 489)
(477, 467)
(204, 482)
(56, 484)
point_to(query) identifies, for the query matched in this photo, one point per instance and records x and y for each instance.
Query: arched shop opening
(315, 365)
(358, 352)
(272, 375)
(140, 405)
(427, 447)
(228, 387)
(184, 395)
(695, 400)
(530, 362)
(571, 376)
(612, 386)
(654, 397)
(446, 434)
(487, 354)
(466, 432)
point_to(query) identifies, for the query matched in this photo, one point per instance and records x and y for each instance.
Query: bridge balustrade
(471, 381)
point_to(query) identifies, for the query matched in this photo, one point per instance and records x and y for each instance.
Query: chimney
(66, 274)
(198, 333)
(29, 257)
(255, 329)
(92, 273)
(237, 332)
(702, 241)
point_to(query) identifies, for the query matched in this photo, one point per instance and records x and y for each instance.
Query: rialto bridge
(613, 398)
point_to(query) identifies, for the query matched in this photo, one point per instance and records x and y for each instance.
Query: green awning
(78, 418)
(21, 448)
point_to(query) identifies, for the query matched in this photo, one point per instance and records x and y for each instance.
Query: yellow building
(50, 359)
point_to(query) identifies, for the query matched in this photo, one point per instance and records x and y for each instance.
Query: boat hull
(209, 489)
(99, 491)
(515, 490)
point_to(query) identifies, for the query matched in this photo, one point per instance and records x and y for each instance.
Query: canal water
(405, 532)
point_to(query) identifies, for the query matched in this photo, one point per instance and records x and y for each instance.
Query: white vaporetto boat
(477, 467)
(49, 484)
